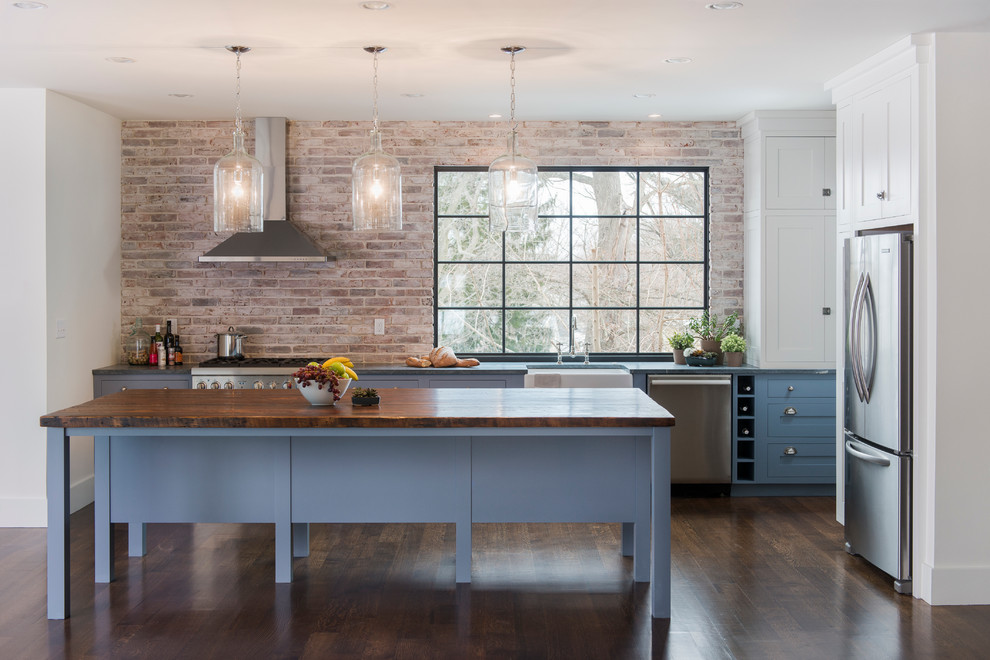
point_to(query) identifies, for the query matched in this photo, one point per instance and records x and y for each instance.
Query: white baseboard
(33, 511)
(959, 585)
(81, 494)
(23, 512)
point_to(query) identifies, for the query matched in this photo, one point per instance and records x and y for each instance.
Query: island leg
(58, 523)
(137, 539)
(300, 539)
(102, 527)
(660, 603)
(462, 526)
(283, 510)
(641, 528)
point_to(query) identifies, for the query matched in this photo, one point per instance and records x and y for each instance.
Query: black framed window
(618, 260)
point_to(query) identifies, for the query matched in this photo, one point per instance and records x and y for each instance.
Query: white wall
(958, 552)
(22, 298)
(83, 262)
(60, 205)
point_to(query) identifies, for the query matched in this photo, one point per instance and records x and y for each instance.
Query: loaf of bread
(441, 356)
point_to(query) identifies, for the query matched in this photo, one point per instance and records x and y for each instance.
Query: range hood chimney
(279, 241)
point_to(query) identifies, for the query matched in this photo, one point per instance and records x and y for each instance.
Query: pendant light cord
(512, 87)
(237, 97)
(375, 87)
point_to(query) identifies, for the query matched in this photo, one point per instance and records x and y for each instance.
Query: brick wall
(321, 309)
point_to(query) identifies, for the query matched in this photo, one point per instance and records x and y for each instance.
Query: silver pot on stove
(229, 343)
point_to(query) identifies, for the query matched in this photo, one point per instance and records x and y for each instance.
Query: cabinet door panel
(795, 172)
(868, 150)
(842, 193)
(795, 288)
(898, 162)
(801, 461)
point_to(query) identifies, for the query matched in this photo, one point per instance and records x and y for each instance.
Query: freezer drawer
(801, 419)
(878, 509)
(800, 459)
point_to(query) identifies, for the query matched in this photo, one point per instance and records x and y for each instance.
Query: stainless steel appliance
(232, 373)
(877, 430)
(700, 442)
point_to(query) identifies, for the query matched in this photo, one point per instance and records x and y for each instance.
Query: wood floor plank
(752, 578)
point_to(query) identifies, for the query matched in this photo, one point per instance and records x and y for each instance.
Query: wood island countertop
(400, 408)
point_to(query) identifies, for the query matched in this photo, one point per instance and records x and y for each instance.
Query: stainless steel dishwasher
(700, 442)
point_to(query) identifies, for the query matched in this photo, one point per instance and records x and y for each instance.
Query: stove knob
(201, 386)
(287, 385)
(272, 385)
(214, 385)
(258, 385)
(228, 385)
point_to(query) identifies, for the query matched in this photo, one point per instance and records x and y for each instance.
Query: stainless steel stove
(247, 373)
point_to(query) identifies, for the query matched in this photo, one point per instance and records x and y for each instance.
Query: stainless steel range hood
(279, 241)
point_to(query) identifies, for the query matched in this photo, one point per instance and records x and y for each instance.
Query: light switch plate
(61, 327)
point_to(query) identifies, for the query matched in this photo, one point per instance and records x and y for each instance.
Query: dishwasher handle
(691, 381)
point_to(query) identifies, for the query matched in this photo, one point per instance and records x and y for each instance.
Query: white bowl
(322, 397)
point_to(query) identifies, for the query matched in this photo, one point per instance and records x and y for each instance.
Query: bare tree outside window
(619, 252)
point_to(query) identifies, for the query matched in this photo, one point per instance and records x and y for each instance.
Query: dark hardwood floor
(752, 578)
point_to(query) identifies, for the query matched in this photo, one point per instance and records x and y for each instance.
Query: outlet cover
(61, 327)
(379, 326)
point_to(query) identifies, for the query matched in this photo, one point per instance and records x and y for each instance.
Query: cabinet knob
(124, 388)
(882, 194)
(164, 388)
(790, 411)
(790, 451)
(790, 388)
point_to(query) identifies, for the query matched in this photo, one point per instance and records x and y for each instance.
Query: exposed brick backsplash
(324, 309)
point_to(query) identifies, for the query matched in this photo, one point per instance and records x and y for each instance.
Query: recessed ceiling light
(724, 6)
(375, 5)
(180, 95)
(654, 116)
(121, 60)
(644, 96)
(678, 60)
(30, 5)
(412, 95)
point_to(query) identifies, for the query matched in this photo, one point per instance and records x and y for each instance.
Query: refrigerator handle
(855, 317)
(872, 312)
(869, 458)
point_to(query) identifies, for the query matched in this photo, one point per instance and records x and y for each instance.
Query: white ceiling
(585, 59)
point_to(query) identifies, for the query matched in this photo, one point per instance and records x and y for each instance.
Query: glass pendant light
(237, 178)
(512, 178)
(376, 177)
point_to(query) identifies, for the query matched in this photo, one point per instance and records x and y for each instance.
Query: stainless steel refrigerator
(878, 402)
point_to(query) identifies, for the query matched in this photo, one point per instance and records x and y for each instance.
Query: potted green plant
(365, 396)
(733, 347)
(700, 358)
(678, 342)
(711, 331)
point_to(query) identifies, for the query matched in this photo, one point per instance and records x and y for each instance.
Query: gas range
(240, 373)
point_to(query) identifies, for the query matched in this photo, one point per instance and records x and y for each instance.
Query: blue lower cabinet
(786, 442)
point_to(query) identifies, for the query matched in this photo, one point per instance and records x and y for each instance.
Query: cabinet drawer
(789, 387)
(111, 385)
(800, 459)
(463, 383)
(385, 382)
(801, 419)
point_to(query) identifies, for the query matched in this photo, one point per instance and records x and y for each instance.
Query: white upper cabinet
(800, 173)
(789, 238)
(882, 144)
(877, 126)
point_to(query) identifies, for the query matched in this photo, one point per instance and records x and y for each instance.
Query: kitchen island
(424, 455)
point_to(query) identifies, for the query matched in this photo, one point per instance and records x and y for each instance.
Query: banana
(342, 359)
(350, 372)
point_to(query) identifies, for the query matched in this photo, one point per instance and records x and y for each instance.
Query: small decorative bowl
(699, 361)
(322, 397)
